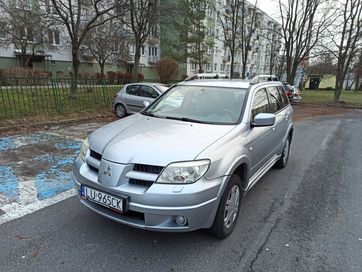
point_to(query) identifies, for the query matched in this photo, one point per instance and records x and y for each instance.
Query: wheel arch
(240, 168)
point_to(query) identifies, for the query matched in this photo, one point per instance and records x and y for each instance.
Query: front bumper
(156, 207)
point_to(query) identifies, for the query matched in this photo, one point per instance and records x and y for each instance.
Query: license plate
(104, 199)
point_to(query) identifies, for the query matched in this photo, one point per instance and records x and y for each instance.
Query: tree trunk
(292, 74)
(23, 60)
(339, 81)
(101, 66)
(243, 70)
(232, 66)
(136, 68)
(75, 73)
(357, 85)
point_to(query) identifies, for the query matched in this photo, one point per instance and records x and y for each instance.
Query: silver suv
(184, 162)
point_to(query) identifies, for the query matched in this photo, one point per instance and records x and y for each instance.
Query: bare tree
(249, 24)
(107, 43)
(346, 37)
(24, 27)
(323, 65)
(230, 17)
(79, 17)
(303, 23)
(141, 17)
(238, 20)
(274, 48)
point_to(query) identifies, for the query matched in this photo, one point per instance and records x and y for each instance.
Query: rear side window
(147, 91)
(260, 103)
(133, 90)
(283, 95)
(276, 101)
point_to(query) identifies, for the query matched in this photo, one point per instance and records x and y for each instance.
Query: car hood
(149, 140)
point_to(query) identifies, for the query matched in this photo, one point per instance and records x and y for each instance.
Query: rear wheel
(120, 111)
(228, 210)
(283, 161)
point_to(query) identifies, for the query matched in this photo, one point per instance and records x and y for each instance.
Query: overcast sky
(268, 6)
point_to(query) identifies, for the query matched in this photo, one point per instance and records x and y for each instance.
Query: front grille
(95, 155)
(153, 169)
(140, 182)
(93, 168)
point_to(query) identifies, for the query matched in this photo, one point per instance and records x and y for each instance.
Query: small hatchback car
(131, 98)
(185, 161)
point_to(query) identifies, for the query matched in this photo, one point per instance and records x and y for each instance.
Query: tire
(225, 219)
(283, 161)
(120, 111)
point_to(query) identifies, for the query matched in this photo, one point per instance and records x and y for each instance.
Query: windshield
(212, 105)
(161, 88)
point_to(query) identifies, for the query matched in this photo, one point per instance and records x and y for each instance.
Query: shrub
(167, 69)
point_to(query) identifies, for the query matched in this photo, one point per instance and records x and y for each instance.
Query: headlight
(84, 149)
(183, 172)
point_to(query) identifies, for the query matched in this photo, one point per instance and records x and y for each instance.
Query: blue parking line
(8, 183)
(7, 143)
(52, 161)
(55, 179)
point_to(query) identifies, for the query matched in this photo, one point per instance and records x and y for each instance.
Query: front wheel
(228, 210)
(120, 111)
(283, 161)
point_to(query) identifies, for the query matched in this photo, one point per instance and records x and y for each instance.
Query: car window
(133, 90)
(260, 103)
(147, 91)
(276, 101)
(204, 104)
(284, 96)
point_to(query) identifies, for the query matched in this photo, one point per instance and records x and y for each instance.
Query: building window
(209, 50)
(154, 31)
(222, 67)
(193, 66)
(153, 51)
(54, 37)
(27, 33)
(24, 4)
(208, 67)
(2, 30)
(50, 8)
(215, 67)
(143, 50)
(132, 49)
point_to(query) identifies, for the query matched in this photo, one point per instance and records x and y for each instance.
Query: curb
(330, 105)
(48, 123)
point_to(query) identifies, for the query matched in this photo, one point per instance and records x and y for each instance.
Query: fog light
(181, 220)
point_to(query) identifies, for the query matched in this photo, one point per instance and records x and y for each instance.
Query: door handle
(273, 128)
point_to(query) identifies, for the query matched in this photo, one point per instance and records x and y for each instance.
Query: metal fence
(36, 96)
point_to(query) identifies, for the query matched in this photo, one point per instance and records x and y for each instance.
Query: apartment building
(263, 53)
(53, 50)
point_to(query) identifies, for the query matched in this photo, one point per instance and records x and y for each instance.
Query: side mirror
(146, 104)
(264, 120)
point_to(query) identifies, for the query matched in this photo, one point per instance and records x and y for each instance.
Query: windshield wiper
(186, 119)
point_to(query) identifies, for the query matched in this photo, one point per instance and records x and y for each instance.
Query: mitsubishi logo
(108, 171)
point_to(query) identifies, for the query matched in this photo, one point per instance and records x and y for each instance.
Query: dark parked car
(292, 92)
